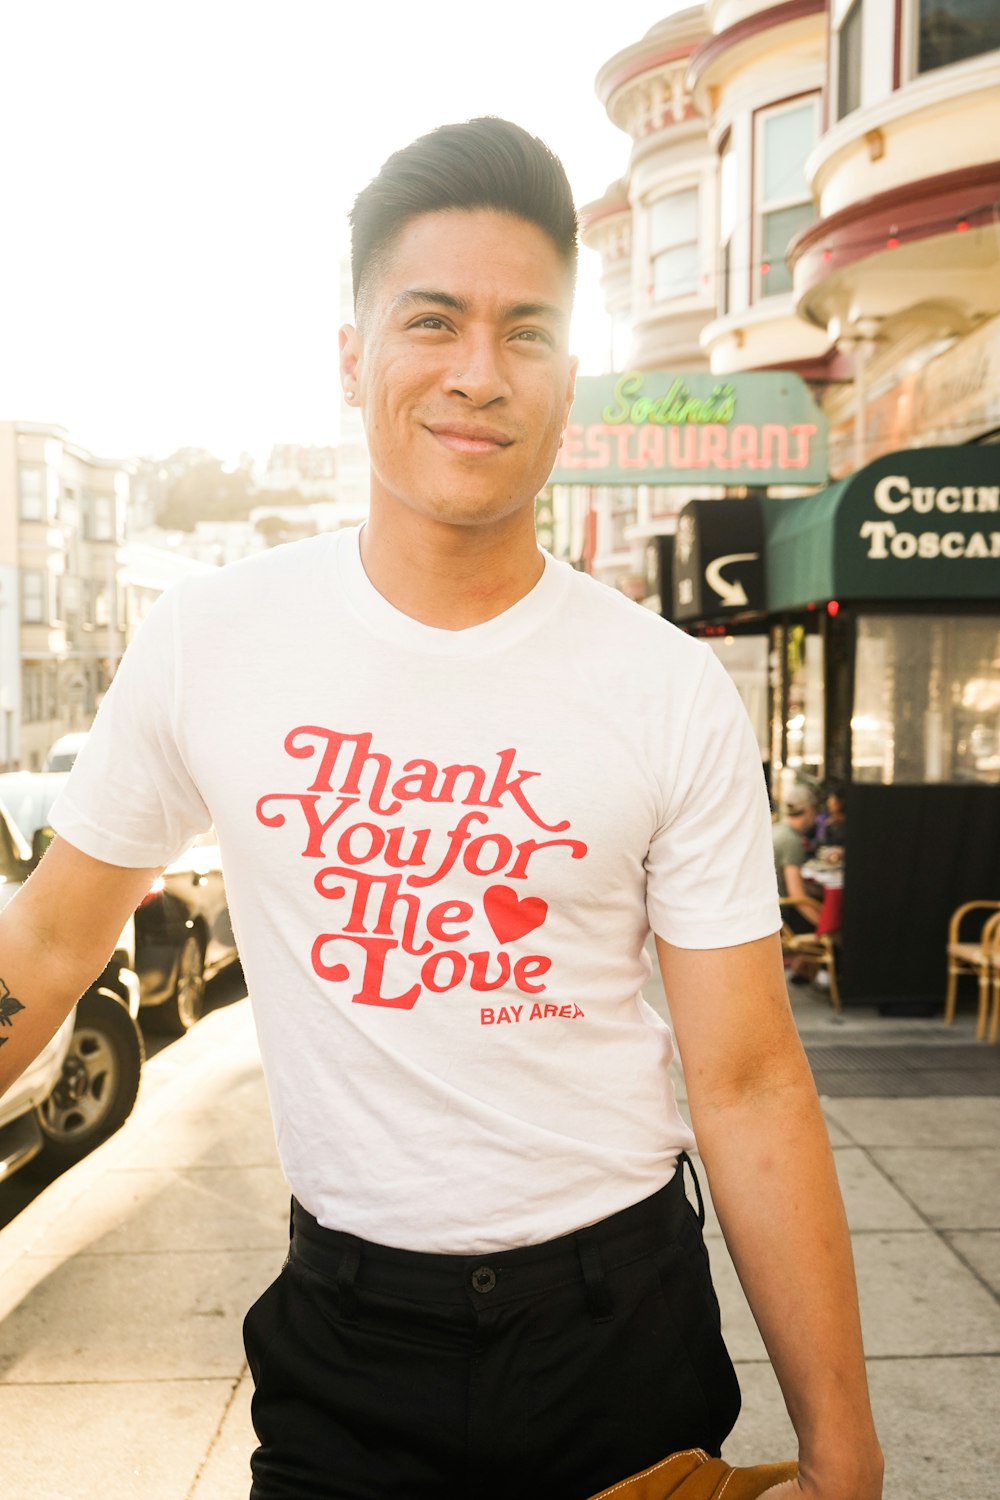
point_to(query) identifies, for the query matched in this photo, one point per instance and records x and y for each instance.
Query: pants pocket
(693, 1309)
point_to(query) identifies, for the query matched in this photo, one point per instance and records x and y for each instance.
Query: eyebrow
(425, 296)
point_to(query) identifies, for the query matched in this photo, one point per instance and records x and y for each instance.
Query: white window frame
(726, 299)
(770, 112)
(674, 190)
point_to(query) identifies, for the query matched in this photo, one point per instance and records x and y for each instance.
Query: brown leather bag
(692, 1475)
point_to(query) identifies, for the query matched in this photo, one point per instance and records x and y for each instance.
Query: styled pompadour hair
(485, 163)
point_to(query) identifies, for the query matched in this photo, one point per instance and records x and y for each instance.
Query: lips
(471, 440)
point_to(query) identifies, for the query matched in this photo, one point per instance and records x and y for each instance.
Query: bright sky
(176, 179)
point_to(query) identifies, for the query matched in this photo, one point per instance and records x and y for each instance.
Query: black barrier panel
(719, 559)
(914, 853)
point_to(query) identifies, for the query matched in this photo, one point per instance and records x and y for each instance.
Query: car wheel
(99, 1080)
(187, 1003)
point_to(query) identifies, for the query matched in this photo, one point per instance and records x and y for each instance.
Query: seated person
(789, 835)
(833, 830)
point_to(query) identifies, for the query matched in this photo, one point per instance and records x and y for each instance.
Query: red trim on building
(604, 208)
(764, 20)
(646, 65)
(906, 214)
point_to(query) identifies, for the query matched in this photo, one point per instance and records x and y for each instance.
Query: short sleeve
(130, 798)
(710, 878)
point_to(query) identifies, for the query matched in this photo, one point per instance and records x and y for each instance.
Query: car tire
(187, 1003)
(99, 1081)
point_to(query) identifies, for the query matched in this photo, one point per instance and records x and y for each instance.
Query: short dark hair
(484, 163)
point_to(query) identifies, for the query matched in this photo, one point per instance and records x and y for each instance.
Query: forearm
(38, 988)
(775, 1189)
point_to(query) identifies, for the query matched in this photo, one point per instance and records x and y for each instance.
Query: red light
(765, 267)
(833, 608)
(810, 606)
(828, 253)
(961, 226)
(891, 242)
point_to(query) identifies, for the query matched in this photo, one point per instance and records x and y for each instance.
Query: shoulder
(278, 578)
(787, 845)
(606, 618)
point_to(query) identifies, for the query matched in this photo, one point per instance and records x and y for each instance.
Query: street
(123, 1284)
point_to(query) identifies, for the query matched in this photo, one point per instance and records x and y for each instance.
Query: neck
(448, 576)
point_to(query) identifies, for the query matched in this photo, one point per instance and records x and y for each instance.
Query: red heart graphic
(510, 917)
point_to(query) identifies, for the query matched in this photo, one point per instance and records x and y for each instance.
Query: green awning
(921, 524)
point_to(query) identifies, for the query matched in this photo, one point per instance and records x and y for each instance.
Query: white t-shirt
(443, 851)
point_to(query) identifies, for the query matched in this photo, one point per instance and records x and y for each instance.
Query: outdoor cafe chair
(819, 947)
(980, 957)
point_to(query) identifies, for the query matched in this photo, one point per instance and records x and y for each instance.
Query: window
(849, 61)
(804, 723)
(952, 30)
(104, 518)
(786, 136)
(33, 694)
(32, 494)
(727, 225)
(927, 699)
(674, 245)
(33, 601)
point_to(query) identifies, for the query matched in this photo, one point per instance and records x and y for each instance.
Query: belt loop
(347, 1270)
(685, 1161)
(592, 1267)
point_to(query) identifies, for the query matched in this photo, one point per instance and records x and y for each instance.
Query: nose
(480, 375)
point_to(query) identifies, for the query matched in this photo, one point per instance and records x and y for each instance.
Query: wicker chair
(979, 956)
(816, 948)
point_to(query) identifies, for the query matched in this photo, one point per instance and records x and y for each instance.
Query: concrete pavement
(123, 1285)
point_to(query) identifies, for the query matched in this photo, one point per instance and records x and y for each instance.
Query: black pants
(549, 1371)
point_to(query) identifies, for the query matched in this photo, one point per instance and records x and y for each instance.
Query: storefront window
(804, 720)
(927, 700)
(745, 659)
(797, 735)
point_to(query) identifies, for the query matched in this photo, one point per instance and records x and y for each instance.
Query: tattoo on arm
(9, 1007)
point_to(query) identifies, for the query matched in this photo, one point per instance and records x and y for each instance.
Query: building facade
(812, 186)
(62, 587)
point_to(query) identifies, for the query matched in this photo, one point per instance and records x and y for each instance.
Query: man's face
(461, 368)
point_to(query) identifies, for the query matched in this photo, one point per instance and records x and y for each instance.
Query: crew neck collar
(385, 620)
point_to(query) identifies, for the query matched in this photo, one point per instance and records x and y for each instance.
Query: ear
(574, 366)
(350, 353)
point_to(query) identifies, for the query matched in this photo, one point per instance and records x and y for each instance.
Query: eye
(532, 336)
(430, 321)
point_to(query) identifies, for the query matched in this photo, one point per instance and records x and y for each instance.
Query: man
(454, 783)
(788, 837)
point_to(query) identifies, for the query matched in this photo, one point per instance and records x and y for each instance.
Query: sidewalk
(123, 1286)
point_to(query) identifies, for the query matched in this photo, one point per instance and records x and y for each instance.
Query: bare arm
(56, 936)
(764, 1143)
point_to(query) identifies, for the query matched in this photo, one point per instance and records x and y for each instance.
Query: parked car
(64, 751)
(183, 931)
(21, 1136)
(83, 1085)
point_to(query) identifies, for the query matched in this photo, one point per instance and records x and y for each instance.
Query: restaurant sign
(661, 427)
